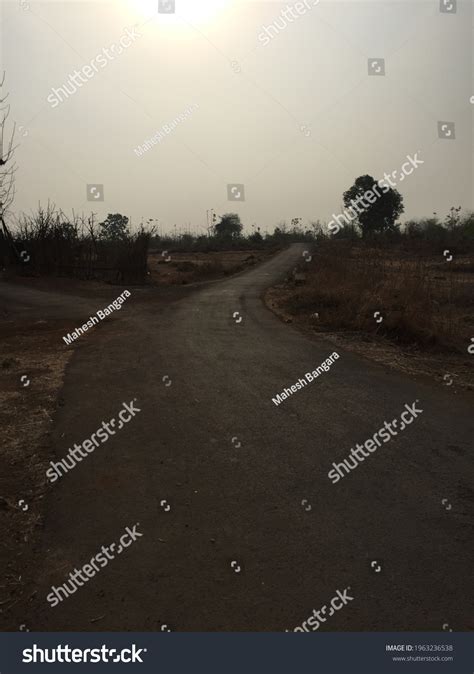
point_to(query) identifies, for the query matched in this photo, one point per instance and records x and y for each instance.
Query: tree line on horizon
(52, 233)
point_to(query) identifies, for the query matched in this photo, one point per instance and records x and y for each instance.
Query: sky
(293, 106)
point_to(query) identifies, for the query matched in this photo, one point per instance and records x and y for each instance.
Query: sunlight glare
(198, 12)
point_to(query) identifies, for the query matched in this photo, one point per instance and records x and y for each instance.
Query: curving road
(235, 468)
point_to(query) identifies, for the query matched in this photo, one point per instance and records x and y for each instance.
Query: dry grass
(424, 301)
(426, 304)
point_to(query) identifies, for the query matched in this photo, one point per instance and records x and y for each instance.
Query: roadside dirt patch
(32, 364)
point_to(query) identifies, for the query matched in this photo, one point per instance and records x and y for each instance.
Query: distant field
(185, 268)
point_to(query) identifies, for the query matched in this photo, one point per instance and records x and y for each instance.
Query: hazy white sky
(253, 100)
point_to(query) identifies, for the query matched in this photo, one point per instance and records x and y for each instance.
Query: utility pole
(211, 220)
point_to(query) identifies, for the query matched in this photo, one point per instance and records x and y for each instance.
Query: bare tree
(7, 165)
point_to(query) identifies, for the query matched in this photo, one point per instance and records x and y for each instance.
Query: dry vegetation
(54, 244)
(426, 302)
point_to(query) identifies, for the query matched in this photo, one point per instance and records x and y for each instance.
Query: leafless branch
(7, 149)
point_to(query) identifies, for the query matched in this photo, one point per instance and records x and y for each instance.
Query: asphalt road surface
(241, 527)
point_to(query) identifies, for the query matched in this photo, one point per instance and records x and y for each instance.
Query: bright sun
(195, 11)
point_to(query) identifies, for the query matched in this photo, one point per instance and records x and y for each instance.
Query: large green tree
(377, 205)
(229, 227)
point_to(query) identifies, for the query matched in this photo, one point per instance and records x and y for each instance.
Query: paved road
(241, 500)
